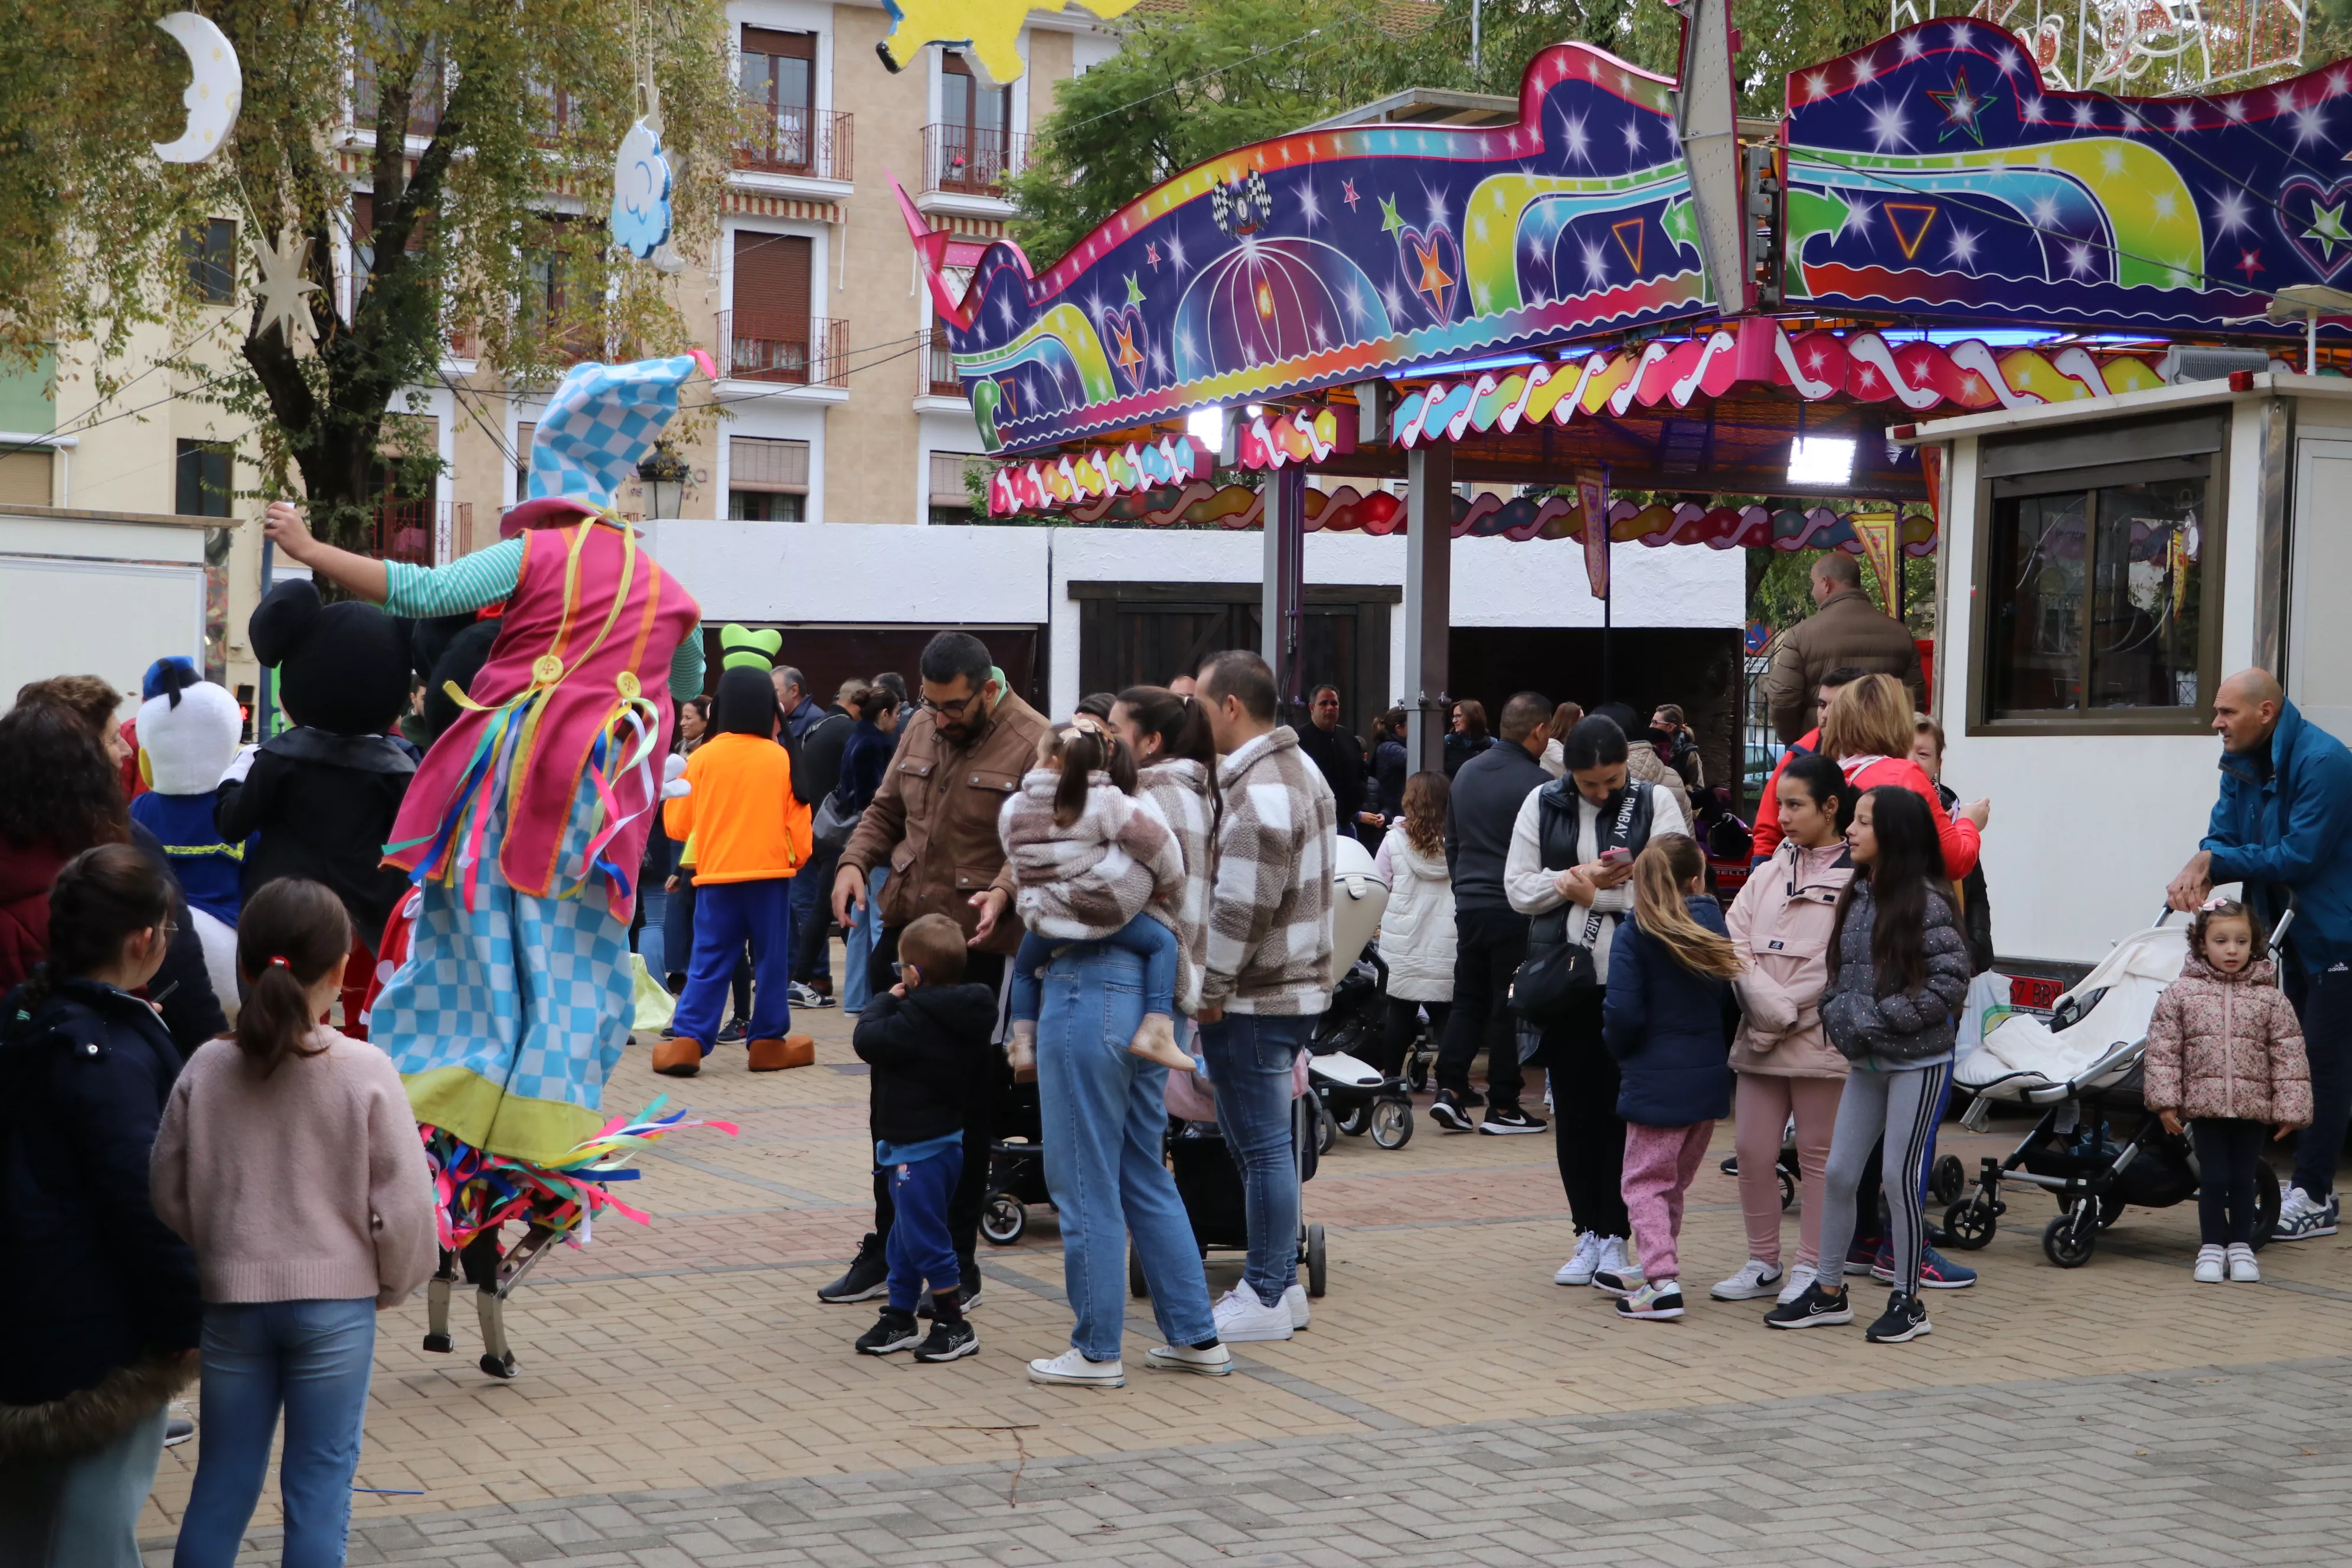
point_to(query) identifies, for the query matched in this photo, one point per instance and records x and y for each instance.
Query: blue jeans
(918, 1248)
(857, 943)
(812, 916)
(1105, 1126)
(312, 1358)
(81, 1512)
(1142, 936)
(1249, 1060)
(649, 936)
(727, 915)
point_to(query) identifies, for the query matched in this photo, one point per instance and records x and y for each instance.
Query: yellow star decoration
(990, 28)
(281, 286)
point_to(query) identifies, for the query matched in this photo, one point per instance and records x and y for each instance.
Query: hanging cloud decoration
(641, 185)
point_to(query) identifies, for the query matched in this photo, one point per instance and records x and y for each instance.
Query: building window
(2094, 600)
(26, 476)
(524, 431)
(770, 330)
(206, 480)
(767, 481)
(210, 251)
(779, 83)
(951, 499)
(975, 140)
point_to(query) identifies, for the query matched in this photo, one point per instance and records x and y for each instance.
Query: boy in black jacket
(928, 1042)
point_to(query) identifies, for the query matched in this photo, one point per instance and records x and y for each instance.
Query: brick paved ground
(1450, 1405)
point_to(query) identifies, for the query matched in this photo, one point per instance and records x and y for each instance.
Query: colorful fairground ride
(1625, 286)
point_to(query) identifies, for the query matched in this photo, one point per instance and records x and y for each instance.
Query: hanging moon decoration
(214, 93)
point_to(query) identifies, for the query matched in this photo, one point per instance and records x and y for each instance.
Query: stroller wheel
(1356, 1122)
(2111, 1209)
(1135, 1285)
(1326, 1130)
(1788, 1189)
(1004, 1219)
(1392, 1123)
(1969, 1224)
(1949, 1180)
(2266, 1203)
(2067, 1240)
(1316, 1276)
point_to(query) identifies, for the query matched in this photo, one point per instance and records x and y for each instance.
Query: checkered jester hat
(601, 423)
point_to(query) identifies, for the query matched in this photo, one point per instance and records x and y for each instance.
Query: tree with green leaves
(460, 154)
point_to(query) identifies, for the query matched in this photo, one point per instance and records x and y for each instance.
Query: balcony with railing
(795, 141)
(425, 100)
(935, 370)
(421, 531)
(775, 345)
(962, 161)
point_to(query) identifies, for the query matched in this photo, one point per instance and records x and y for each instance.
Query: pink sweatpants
(1762, 1106)
(1661, 1162)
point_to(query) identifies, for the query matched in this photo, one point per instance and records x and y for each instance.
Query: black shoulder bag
(1556, 975)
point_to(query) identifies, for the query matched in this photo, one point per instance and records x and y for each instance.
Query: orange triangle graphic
(1629, 240)
(1922, 213)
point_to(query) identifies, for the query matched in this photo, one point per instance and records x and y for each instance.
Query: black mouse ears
(282, 620)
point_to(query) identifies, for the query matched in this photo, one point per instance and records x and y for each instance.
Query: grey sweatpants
(1902, 1105)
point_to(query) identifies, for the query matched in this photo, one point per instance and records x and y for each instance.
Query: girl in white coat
(1417, 929)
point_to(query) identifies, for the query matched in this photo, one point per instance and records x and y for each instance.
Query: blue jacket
(2293, 830)
(1669, 1028)
(864, 763)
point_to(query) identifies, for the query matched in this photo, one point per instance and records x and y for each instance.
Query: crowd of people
(1121, 912)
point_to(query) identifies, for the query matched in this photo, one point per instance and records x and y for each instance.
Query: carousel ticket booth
(2104, 564)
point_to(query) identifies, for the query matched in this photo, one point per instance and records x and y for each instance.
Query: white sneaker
(2243, 1270)
(1295, 1299)
(1755, 1280)
(1800, 1279)
(1615, 1274)
(1214, 1362)
(1243, 1318)
(1578, 1271)
(2210, 1260)
(1072, 1366)
(2302, 1218)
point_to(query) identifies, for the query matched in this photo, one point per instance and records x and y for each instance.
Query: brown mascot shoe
(679, 1058)
(774, 1056)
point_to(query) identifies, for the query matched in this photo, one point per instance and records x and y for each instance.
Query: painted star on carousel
(1134, 293)
(1128, 356)
(1963, 108)
(2328, 228)
(1390, 222)
(1433, 280)
(1348, 194)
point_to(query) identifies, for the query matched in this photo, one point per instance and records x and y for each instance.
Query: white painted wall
(849, 574)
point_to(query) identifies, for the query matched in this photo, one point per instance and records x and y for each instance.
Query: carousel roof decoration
(1936, 173)
(1334, 256)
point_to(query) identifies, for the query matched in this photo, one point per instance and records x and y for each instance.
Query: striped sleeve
(686, 667)
(464, 585)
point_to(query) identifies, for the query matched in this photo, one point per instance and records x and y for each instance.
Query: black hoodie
(931, 1058)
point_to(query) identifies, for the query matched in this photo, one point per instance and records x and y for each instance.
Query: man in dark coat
(1340, 756)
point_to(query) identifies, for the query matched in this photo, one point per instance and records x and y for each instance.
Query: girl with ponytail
(288, 1159)
(1667, 1015)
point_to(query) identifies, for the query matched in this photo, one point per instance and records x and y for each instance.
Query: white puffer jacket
(1417, 929)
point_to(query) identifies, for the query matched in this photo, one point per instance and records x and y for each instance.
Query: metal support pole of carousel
(1428, 599)
(1281, 610)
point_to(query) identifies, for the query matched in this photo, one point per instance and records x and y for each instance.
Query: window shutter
(779, 468)
(24, 477)
(791, 46)
(772, 285)
(947, 478)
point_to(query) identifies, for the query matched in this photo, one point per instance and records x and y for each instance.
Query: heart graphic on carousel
(1431, 262)
(2316, 219)
(1124, 339)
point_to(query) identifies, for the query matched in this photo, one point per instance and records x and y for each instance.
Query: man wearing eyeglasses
(933, 825)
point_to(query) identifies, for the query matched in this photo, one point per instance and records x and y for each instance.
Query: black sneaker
(894, 1331)
(868, 1276)
(1508, 1119)
(1816, 1308)
(178, 1430)
(967, 1298)
(1905, 1319)
(733, 1034)
(1447, 1113)
(948, 1342)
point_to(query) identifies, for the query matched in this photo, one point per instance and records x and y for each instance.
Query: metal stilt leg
(436, 1305)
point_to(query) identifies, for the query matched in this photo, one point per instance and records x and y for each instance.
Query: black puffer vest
(1625, 821)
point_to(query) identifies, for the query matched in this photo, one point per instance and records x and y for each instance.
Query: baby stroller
(1211, 1185)
(1017, 1164)
(2084, 1065)
(1352, 1096)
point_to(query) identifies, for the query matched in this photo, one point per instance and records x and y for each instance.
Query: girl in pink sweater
(289, 1159)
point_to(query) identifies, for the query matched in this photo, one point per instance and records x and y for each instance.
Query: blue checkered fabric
(534, 995)
(601, 423)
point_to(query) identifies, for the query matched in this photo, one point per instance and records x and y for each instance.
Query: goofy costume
(522, 830)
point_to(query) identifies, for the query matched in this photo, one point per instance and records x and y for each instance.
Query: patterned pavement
(685, 1399)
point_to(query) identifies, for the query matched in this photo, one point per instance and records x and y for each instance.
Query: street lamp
(664, 474)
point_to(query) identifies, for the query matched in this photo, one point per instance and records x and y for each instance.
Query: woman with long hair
(1898, 970)
(101, 1328)
(1667, 1015)
(1869, 732)
(288, 1159)
(1417, 937)
(1467, 736)
(1786, 1067)
(1564, 718)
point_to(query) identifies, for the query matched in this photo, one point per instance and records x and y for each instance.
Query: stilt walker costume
(523, 829)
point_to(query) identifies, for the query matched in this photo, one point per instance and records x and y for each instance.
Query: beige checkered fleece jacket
(1270, 910)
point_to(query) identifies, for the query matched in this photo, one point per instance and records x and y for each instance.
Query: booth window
(2095, 581)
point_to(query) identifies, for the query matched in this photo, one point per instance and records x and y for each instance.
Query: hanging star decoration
(1390, 222)
(278, 293)
(1963, 108)
(2328, 228)
(1134, 293)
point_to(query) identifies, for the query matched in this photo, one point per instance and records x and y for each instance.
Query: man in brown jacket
(1845, 629)
(933, 825)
